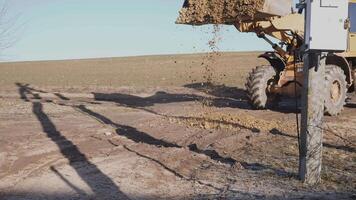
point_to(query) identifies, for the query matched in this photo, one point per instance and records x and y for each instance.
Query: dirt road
(157, 141)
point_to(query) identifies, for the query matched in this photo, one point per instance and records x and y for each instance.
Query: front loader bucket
(199, 12)
(277, 7)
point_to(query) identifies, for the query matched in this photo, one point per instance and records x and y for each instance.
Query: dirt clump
(199, 12)
(233, 122)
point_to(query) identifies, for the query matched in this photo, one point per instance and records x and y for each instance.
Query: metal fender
(276, 61)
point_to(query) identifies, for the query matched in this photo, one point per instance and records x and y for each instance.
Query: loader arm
(273, 18)
(277, 27)
(288, 29)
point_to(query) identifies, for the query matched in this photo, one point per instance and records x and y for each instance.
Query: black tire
(335, 96)
(257, 84)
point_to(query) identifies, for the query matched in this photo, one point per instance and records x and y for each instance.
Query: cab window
(352, 13)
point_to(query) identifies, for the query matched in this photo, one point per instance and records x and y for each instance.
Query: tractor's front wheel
(336, 86)
(258, 84)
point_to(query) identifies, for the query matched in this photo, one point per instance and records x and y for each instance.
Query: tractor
(285, 69)
(282, 26)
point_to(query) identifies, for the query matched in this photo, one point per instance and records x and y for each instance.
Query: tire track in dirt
(27, 170)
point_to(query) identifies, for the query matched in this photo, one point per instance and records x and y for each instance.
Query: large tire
(335, 96)
(257, 84)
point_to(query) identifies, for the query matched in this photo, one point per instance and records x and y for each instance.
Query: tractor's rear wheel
(258, 84)
(336, 85)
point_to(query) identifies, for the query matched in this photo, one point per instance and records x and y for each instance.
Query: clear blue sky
(67, 29)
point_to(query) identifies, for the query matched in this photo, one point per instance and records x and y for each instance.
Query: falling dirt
(198, 12)
(210, 63)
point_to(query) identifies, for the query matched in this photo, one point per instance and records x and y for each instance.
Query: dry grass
(170, 70)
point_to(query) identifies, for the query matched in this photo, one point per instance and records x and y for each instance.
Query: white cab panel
(325, 25)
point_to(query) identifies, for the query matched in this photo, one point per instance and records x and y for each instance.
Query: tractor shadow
(220, 96)
(234, 97)
(146, 103)
(137, 101)
(351, 100)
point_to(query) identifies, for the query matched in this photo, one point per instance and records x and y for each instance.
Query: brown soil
(133, 140)
(198, 12)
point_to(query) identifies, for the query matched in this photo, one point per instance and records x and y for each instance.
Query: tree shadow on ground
(69, 150)
(73, 154)
(137, 136)
(142, 137)
(126, 131)
(141, 103)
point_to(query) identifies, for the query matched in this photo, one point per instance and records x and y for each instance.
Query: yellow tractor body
(276, 19)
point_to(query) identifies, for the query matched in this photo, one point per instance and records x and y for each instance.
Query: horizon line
(131, 56)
